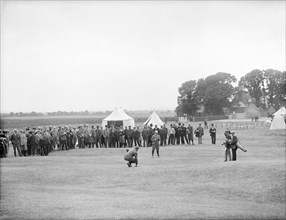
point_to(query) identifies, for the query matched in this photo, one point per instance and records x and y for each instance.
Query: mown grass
(186, 182)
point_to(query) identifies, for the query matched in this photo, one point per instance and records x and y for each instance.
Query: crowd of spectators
(43, 140)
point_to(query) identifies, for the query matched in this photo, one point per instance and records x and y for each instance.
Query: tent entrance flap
(115, 123)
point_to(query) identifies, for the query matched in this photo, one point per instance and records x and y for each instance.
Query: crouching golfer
(132, 156)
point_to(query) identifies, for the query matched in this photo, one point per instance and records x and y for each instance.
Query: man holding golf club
(235, 144)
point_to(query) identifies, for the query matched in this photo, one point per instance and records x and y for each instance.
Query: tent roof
(281, 111)
(278, 123)
(251, 108)
(117, 115)
(154, 119)
(241, 104)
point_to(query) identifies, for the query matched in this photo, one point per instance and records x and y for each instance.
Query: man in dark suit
(184, 134)
(213, 133)
(190, 134)
(129, 134)
(179, 134)
(15, 139)
(235, 144)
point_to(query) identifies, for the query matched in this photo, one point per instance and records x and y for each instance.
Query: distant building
(245, 111)
(244, 108)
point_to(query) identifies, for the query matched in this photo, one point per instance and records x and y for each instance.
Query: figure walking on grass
(213, 133)
(155, 143)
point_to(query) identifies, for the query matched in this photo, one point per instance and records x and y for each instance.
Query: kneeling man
(132, 156)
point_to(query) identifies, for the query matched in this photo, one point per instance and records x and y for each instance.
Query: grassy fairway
(187, 182)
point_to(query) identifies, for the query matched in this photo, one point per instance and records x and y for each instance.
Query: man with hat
(74, 137)
(227, 144)
(235, 144)
(199, 132)
(80, 137)
(15, 139)
(23, 143)
(155, 143)
(33, 142)
(212, 132)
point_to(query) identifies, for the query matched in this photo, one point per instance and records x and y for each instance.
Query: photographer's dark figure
(4, 144)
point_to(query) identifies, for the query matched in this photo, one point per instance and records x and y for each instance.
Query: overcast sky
(95, 55)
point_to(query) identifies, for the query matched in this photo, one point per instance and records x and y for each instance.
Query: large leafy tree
(200, 92)
(254, 83)
(213, 92)
(218, 91)
(275, 91)
(187, 103)
(240, 95)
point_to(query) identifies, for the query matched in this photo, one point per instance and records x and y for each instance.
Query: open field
(186, 182)
(35, 121)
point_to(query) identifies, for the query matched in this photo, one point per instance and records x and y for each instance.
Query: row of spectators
(41, 141)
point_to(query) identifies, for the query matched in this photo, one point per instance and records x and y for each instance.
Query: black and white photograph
(142, 109)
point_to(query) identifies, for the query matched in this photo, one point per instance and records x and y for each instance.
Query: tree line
(217, 93)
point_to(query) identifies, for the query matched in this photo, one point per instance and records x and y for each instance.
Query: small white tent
(278, 123)
(154, 119)
(281, 111)
(118, 118)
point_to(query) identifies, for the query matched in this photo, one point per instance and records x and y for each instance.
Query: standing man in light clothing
(16, 141)
(155, 143)
(171, 134)
(199, 134)
(23, 141)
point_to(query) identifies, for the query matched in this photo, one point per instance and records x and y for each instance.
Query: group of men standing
(28, 142)
(43, 140)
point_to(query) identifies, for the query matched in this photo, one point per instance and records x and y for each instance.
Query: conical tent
(278, 123)
(118, 118)
(281, 111)
(154, 119)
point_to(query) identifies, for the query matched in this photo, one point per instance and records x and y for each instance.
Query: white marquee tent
(281, 111)
(278, 123)
(118, 118)
(154, 119)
